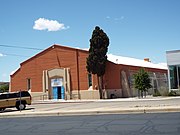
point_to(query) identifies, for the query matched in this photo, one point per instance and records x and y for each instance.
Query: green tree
(4, 88)
(96, 61)
(142, 81)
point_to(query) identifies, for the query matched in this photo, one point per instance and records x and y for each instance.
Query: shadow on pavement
(14, 110)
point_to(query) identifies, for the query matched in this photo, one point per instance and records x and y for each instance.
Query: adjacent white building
(173, 62)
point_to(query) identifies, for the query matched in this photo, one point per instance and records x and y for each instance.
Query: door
(62, 93)
(55, 92)
(56, 85)
(59, 92)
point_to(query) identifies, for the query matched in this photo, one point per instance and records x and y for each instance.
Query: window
(89, 80)
(174, 76)
(3, 96)
(178, 67)
(24, 94)
(13, 95)
(28, 84)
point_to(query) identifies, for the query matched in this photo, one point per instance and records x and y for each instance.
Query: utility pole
(20, 101)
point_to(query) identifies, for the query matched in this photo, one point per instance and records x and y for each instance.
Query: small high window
(28, 84)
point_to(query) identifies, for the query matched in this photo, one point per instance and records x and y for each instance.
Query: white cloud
(118, 19)
(107, 17)
(115, 19)
(122, 17)
(1, 55)
(50, 25)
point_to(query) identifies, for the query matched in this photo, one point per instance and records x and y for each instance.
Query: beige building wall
(86, 94)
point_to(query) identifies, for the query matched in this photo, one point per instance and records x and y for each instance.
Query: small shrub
(174, 93)
(156, 94)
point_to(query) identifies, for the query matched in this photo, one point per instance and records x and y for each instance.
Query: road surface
(110, 124)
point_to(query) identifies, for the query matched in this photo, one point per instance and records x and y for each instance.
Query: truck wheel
(21, 106)
(2, 109)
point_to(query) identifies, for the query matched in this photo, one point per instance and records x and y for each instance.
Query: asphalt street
(111, 124)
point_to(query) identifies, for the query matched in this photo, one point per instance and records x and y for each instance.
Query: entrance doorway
(58, 92)
(57, 88)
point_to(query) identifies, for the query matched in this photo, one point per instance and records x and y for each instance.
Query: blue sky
(136, 28)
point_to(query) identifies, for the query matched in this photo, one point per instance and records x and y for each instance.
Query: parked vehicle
(16, 99)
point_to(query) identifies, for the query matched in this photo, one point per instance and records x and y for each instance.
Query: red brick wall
(57, 57)
(65, 57)
(112, 76)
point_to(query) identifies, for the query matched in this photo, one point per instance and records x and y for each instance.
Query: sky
(136, 28)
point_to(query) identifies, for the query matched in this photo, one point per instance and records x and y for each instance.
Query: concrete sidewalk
(92, 107)
(133, 99)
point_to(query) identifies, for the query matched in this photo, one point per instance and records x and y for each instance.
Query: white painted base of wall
(85, 94)
(39, 95)
(113, 93)
(94, 94)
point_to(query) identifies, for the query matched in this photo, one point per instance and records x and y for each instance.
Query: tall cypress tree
(96, 61)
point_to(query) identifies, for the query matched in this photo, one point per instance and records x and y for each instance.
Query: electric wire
(20, 47)
(11, 54)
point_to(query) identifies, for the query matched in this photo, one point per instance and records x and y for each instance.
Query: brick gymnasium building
(59, 72)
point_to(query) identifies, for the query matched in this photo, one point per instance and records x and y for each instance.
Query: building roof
(134, 62)
(46, 50)
(50, 48)
(173, 51)
(112, 58)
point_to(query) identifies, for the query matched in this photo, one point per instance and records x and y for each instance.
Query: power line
(20, 47)
(10, 54)
(24, 56)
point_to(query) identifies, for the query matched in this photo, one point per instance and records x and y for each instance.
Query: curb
(75, 113)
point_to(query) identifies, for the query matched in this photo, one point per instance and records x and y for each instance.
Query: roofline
(15, 72)
(137, 66)
(49, 48)
(173, 51)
